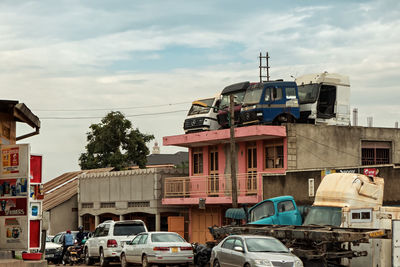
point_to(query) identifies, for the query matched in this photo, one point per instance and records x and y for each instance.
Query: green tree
(114, 143)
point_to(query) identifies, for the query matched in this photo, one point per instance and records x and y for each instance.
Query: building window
(373, 153)
(139, 204)
(197, 160)
(274, 154)
(251, 168)
(87, 205)
(105, 205)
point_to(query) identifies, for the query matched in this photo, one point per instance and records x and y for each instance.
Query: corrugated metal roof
(64, 187)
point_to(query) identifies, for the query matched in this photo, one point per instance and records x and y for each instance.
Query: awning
(235, 213)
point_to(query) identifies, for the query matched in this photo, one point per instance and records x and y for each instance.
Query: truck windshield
(239, 96)
(201, 110)
(324, 216)
(253, 94)
(308, 93)
(262, 210)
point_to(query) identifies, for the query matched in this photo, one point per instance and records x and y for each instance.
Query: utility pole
(264, 67)
(233, 151)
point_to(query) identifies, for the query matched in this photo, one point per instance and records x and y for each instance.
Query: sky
(72, 62)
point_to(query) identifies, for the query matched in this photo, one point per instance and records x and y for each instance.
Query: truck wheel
(103, 261)
(88, 260)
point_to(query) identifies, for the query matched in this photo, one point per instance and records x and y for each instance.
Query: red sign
(371, 172)
(36, 169)
(34, 236)
(13, 207)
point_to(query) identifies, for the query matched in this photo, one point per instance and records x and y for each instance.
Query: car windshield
(253, 94)
(324, 216)
(308, 93)
(265, 245)
(128, 229)
(225, 100)
(263, 210)
(195, 109)
(166, 238)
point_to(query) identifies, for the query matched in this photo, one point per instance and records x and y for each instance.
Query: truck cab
(238, 90)
(270, 103)
(324, 98)
(279, 210)
(202, 118)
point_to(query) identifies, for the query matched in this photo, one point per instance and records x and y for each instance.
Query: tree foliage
(114, 143)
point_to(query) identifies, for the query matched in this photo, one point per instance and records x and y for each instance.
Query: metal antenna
(265, 67)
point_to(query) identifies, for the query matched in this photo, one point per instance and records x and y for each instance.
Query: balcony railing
(210, 185)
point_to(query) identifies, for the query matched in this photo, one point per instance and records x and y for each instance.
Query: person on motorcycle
(68, 241)
(80, 236)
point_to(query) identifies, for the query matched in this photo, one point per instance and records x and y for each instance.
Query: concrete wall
(64, 216)
(320, 146)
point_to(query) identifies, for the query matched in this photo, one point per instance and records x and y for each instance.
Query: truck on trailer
(346, 226)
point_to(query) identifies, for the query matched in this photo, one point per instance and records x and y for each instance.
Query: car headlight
(263, 262)
(298, 263)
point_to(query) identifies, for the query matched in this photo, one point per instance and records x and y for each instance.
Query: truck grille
(193, 123)
(283, 264)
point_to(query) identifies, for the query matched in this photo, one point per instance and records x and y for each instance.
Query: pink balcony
(215, 189)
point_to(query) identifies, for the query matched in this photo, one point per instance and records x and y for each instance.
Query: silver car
(251, 250)
(160, 248)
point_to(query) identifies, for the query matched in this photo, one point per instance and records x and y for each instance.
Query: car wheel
(247, 265)
(216, 264)
(124, 263)
(103, 261)
(145, 262)
(88, 260)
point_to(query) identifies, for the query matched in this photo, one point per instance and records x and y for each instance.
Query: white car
(252, 251)
(105, 244)
(160, 248)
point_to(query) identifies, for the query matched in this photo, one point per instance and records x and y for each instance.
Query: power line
(102, 109)
(100, 117)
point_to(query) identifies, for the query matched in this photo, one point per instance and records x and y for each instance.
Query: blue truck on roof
(270, 103)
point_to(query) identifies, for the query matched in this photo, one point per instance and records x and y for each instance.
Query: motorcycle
(74, 255)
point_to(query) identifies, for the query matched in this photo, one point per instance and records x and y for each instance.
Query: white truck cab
(324, 98)
(203, 118)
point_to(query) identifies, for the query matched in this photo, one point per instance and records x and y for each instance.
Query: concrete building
(61, 201)
(274, 160)
(126, 195)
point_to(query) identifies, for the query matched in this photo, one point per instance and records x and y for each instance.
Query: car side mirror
(291, 250)
(90, 235)
(239, 249)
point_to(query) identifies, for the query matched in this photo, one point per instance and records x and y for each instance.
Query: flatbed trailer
(315, 245)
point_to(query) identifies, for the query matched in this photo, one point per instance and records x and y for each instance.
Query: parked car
(251, 250)
(53, 250)
(157, 248)
(105, 243)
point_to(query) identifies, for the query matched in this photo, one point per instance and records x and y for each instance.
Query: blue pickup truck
(278, 210)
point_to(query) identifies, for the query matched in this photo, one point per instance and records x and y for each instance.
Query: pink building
(260, 149)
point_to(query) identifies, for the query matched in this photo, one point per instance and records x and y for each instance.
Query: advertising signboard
(14, 196)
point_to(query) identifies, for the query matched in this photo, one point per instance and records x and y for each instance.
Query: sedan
(160, 248)
(251, 250)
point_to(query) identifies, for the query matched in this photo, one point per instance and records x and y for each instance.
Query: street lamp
(231, 120)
